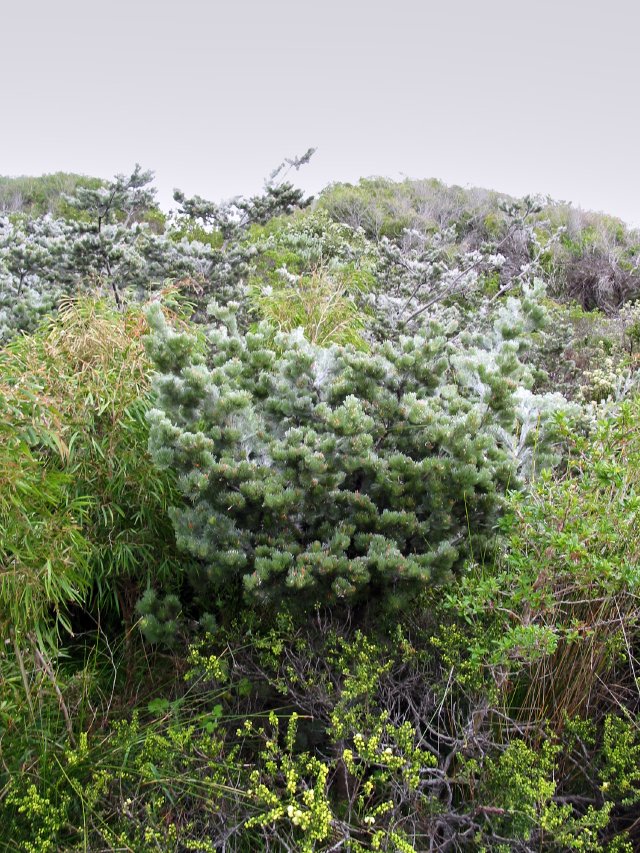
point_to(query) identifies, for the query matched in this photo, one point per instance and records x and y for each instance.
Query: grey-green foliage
(319, 473)
(160, 617)
(44, 259)
(596, 261)
(32, 254)
(125, 197)
(231, 218)
(390, 286)
(306, 242)
(113, 245)
(434, 269)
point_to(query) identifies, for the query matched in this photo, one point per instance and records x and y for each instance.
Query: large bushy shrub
(320, 473)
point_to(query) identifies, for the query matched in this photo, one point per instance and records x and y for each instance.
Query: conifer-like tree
(324, 473)
(234, 216)
(125, 197)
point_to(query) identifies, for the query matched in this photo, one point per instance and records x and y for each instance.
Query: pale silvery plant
(43, 259)
(609, 382)
(124, 196)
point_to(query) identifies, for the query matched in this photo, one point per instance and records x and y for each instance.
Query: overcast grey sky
(535, 96)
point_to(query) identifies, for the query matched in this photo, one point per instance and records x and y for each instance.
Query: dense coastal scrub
(318, 528)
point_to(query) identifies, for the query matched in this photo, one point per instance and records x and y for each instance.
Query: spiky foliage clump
(319, 473)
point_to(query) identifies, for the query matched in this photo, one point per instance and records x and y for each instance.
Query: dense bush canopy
(327, 472)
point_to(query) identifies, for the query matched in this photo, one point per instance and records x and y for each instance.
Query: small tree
(123, 198)
(233, 217)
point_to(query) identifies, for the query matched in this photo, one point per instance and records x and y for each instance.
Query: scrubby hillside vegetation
(42, 195)
(318, 527)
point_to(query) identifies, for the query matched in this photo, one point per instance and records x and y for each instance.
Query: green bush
(563, 600)
(312, 273)
(321, 474)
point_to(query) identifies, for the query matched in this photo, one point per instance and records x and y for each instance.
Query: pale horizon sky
(519, 97)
